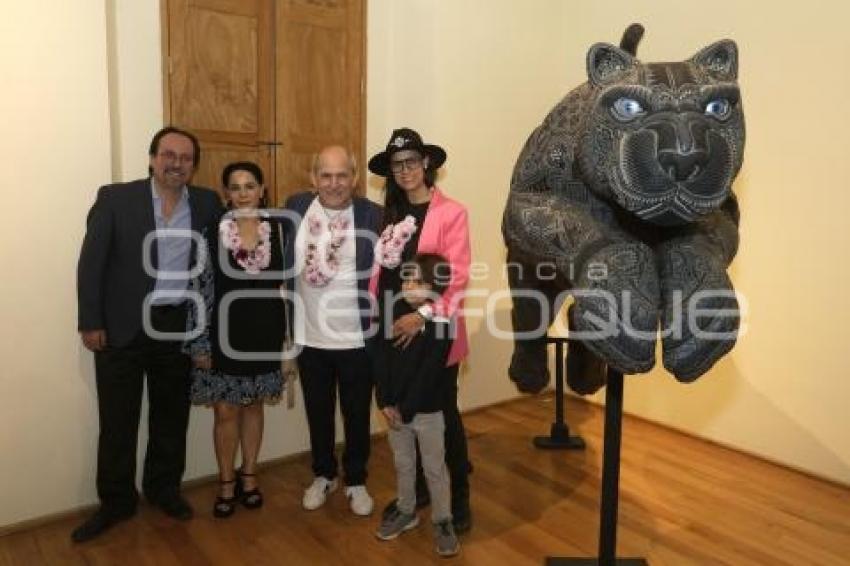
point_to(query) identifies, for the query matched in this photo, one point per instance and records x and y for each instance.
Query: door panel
(272, 81)
(220, 78)
(319, 81)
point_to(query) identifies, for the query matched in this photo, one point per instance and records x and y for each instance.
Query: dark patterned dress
(245, 341)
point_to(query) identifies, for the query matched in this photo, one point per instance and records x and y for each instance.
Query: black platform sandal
(251, 499)
(225, 506)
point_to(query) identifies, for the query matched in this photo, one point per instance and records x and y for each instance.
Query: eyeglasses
(410, 164)
(171, 156)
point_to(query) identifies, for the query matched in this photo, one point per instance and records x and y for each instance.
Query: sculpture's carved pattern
(592, 189)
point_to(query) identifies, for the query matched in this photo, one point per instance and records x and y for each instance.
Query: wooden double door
(270, 81)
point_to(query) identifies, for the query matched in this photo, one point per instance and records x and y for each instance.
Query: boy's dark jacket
(413, 379)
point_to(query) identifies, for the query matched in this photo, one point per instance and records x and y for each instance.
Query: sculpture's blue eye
(719, 108)
(626, 109)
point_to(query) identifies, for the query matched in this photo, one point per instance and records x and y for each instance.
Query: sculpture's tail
(631, 38)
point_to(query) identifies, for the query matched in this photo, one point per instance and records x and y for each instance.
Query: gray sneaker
(393, 524)
(445, 538)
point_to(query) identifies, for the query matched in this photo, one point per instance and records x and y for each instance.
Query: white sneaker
(316, 495)
(359, 500)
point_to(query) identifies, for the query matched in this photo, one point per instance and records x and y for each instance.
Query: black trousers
(322, 373)
(457, 453)
(119, 375)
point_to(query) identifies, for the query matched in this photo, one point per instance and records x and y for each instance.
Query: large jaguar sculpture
(622, 198)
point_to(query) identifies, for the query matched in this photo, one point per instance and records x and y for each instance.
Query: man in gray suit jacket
(131, 284)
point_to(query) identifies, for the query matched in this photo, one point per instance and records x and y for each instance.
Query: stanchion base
(559, 439)
(553, 443)
(550, 561)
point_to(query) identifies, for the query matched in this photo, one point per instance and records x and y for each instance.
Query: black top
(413, 379)
(254, 324)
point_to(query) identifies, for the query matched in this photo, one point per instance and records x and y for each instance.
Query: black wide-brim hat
(401, 140)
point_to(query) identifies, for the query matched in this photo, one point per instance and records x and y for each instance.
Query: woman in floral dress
(237, 356)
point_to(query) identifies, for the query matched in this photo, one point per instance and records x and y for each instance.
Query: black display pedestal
(559, 435)
(610, 484)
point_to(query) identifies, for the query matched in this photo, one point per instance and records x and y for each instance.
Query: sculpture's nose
(681, 144)
(681, 167)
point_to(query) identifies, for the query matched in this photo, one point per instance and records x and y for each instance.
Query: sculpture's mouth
(668, 196)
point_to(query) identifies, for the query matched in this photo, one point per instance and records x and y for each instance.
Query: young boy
(409, 388)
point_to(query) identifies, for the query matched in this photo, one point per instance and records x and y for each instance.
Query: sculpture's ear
(719, 59)
(605, 63)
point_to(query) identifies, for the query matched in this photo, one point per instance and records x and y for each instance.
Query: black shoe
(392, 507)
(251, 499)
(224, 507)
(175, 507)
(101, 521)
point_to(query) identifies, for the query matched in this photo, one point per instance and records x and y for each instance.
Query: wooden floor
(683, 501)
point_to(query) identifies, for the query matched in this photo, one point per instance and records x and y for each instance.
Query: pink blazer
(446, 232)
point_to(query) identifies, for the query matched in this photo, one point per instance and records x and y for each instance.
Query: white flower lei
(254, 260)
(327, 237)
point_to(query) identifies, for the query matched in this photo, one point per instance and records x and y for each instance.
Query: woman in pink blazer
(427, 221)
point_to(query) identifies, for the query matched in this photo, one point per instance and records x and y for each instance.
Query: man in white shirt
(329, 255)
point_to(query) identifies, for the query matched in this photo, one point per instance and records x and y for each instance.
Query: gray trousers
(429, 429)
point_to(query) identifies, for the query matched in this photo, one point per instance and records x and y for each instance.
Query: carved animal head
(663, 140)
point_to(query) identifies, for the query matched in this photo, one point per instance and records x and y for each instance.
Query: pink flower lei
(254, 260)
(392, 241)
(324, 239)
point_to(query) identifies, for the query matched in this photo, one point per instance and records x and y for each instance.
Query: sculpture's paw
(611, 341)
(616, 307)
(586, 372)
(700, 334)
(529, 368)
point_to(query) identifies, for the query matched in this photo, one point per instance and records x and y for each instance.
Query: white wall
(135, 67)
(475, 76)
(54, 155)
